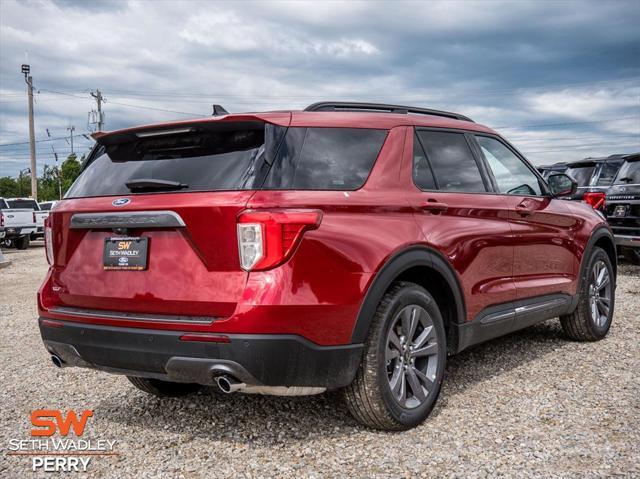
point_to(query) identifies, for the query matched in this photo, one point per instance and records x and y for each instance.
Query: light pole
(26, 69)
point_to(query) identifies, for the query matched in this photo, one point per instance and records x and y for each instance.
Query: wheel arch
(427, 268)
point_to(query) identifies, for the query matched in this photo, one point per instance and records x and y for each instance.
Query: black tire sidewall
(405, 297)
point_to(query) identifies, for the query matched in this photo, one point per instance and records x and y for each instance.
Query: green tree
(8, 187)
(69, 171)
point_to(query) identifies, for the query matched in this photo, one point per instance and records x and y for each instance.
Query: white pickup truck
(38, 213)
(16, 223)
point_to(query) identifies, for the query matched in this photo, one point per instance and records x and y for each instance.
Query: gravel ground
(530, 404)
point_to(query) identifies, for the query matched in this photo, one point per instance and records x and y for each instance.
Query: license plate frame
(620, 211)
(128, 253)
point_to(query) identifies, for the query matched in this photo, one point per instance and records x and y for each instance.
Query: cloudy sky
(561, 79)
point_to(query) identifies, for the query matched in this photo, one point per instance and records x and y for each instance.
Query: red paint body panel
(497, 255)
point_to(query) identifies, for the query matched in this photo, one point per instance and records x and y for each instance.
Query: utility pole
(71, 129)
(26, 69)
(55, 154)
(99, 99)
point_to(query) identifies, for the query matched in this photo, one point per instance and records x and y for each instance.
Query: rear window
(25, 204)
(46, 206)
(240, 157)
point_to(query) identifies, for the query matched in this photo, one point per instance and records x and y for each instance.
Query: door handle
(524, 210)
(434, 206)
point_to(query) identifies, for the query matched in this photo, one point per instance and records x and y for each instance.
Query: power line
(42, 140)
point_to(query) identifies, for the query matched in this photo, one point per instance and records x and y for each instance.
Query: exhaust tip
(229, 385)
(224, 384)
(57, 361)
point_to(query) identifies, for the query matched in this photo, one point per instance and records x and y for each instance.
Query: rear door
(545, 258)
(462, 218)
(150, 224)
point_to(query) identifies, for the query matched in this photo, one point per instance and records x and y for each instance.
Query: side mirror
(561, 184)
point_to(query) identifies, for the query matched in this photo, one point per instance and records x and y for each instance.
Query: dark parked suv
(347, 246)
(623, 208)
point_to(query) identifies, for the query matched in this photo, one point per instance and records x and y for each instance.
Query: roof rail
(381, 108)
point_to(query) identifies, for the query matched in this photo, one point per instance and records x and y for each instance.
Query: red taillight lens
(595, 199)
(267, 238)
(1, 219)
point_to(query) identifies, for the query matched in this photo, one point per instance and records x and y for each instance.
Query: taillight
(267, 238)
(1, 220)
(34, 216)
(595, 199)
(48, 242)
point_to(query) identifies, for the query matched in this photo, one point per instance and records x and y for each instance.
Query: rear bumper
(11, 232)
(255, 359)
(627, 240)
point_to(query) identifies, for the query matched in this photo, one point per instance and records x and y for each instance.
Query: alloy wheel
(412, 356)
(600, 294)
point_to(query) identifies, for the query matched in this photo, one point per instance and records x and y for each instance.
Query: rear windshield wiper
(153, 184)
(626, 179)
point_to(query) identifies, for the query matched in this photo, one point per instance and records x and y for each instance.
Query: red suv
(348, 246)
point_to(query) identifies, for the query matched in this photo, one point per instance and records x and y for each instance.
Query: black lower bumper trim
(265, 359)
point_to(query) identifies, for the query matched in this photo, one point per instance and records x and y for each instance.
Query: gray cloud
(560, 79)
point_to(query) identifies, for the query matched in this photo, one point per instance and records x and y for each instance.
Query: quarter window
(422, 175)
(513, 176)
(454, 166)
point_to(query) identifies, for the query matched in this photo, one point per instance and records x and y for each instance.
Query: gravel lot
(530, 404)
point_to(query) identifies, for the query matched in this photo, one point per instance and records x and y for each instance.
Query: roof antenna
(218, 110)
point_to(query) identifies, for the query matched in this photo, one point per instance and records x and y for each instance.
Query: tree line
(48, 186)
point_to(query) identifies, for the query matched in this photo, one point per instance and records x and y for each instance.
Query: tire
(22, 242)
(370, 397)
(592, 318)
(632, 255)
(163, 388)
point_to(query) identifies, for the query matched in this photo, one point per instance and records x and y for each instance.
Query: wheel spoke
(401, 395)
(594, 311)
(394, 340)
(415, 385)
(604, 281)
(428, 350)
(606, 301)
(423, 337)
(426, 381)
(392, 354)
(394, 382)
(603, 309)
(600, 275)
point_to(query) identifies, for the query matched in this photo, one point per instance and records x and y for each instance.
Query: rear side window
(607, 173)
(28, 204)
(422, 174)
(453, 164)
(581, 173)
(629, 173)
(3, 205)
(325, 158)
(46, 206)
(233, 156)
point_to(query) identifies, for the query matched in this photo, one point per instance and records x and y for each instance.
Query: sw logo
(41, 419)
(124, 245)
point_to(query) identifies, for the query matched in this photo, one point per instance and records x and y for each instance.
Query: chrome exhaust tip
(57, 361)
(229, 385)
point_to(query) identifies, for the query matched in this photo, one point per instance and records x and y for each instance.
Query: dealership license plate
(621, 210)
(127, 254)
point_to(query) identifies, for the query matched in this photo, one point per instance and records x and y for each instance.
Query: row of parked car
(22, 220)
(610, 185)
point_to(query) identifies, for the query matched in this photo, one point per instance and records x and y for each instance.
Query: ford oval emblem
(120, 202)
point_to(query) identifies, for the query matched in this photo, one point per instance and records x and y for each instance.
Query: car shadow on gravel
(248, 418)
